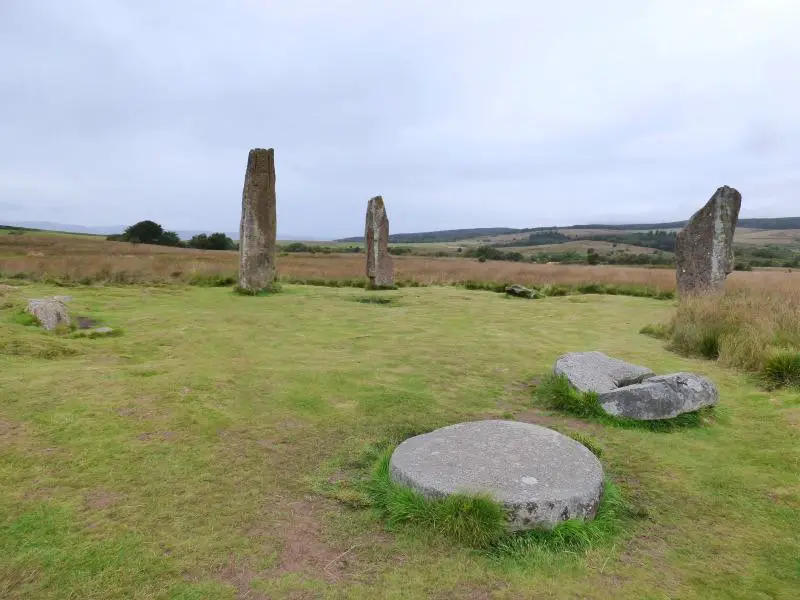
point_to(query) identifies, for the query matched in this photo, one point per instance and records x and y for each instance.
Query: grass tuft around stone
(477, 522)
(555, 392)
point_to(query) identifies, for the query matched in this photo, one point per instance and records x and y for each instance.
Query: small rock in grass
(519, 291)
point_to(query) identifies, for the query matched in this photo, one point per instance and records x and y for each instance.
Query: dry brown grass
(93, 259)
(754, 326)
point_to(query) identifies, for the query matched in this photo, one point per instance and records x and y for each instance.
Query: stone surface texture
(541, 476)
(50, 312)
(596, 372)
(380, 266)
(258, 225)
(661, 397)
(704, 247)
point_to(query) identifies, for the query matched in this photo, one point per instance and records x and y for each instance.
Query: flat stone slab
(541, 476)
(596, 372)
(661, 397)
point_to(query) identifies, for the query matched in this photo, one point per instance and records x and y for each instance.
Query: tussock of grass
(40, 346)
(748, 329)
(584, 439)
(659, 331)
(555, 392)
(782, 368)
(22, 317)
(383, 300)
(474, 521)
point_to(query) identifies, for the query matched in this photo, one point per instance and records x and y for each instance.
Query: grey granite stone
(541, 476)
(596, 372)
(661, 397)
(704, 247)
(258, 225)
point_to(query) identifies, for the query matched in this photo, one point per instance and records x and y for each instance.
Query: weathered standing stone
(258, 226)
(596, 372)
(539, 475)
(380, 267)
(660, 397)
(49, 312)
(704, 247)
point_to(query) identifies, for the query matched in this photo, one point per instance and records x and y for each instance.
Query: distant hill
(117, 229)
(455, 235)
(776, 223)
(446, 235)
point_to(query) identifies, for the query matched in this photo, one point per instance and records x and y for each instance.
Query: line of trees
(150, 232)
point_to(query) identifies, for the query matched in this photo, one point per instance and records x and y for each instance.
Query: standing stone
(380, 268)
(704, 248)
(259, 223)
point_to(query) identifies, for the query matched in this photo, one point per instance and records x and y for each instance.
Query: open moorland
(217, 447)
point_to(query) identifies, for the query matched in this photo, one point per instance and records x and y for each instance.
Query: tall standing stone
(257, 228)
(704, 247)
(380, 268)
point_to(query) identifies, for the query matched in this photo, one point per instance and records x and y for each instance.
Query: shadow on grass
(555, 392)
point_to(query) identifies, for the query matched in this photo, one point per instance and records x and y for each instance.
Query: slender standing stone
(259, 222)
(704, 248)
(380, 268)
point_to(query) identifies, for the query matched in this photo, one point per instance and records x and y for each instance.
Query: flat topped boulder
(661, 397)
(541, 476)
(596, 372)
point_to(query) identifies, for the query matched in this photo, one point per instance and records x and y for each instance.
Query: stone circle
(539, 475)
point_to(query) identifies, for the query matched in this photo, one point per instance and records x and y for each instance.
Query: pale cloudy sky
(460, 113)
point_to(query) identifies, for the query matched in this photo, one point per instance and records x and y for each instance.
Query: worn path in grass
(178, 460)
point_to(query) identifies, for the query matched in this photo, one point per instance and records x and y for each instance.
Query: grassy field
(187, 458)
(86, 259)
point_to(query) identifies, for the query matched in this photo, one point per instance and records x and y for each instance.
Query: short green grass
(189, 458)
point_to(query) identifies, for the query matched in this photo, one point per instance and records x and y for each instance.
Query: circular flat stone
(541, 476)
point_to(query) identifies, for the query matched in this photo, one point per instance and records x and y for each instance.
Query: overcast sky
(460, 113)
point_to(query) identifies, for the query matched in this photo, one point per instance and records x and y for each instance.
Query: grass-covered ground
(192, 456)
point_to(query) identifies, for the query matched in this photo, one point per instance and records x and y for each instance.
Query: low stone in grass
(520, 291)
(660, 397)
(50, 313)
(540, 476)
(596, 372)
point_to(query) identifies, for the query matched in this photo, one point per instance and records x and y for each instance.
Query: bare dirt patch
(101, 499)
(157, 436)
(304, 549)
(539, 417)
